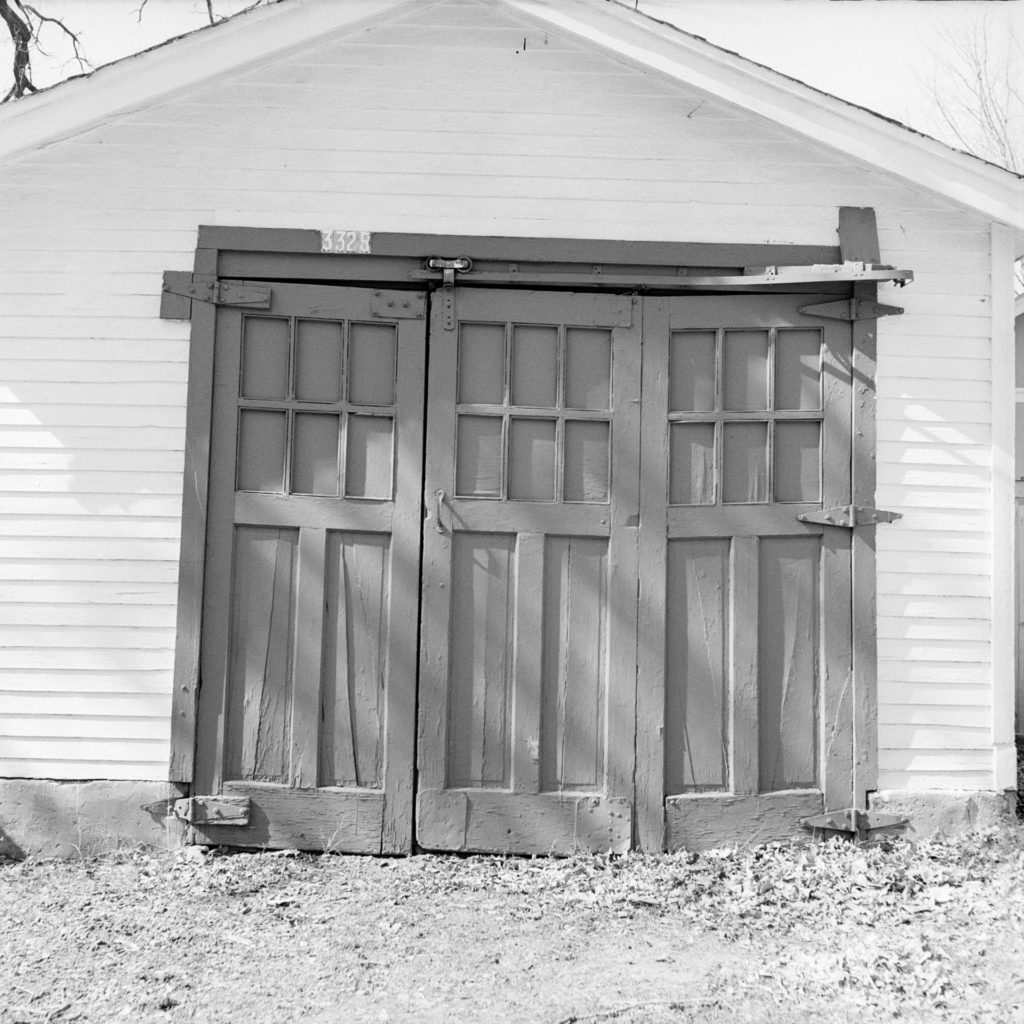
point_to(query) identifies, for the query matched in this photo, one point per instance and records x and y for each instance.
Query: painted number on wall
(346, 241)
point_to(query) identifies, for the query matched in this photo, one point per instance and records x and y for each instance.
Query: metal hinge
(220, 293)
(850, 516)
(852, 821)
(851, 309)
(213, 810)
(449, 268)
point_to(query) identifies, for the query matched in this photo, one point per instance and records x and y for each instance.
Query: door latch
(448, 267)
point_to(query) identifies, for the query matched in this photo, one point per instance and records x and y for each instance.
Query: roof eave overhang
(244, 40)
(920, 160)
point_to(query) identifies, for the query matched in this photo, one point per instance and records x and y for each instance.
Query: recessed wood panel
(261, 653)
(355, 658)
(480, 653)
(574, 663)
(696, 669)
(788, 641)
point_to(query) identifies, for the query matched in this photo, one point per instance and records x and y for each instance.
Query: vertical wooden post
(653, 553)
(858, 240)
(198, 418)
(1004, 620)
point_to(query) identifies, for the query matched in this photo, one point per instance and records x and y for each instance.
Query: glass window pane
(691, 371)
(797, 369)
(479, 460)
(588, 368)
(797, 461)
(534, 366)
(318, 360)
(315, 454)
(531, 460)
(482, 363)
(585, 474)
(692, 464)
(261, 444)
(371, 364)
(264, 357)
(745, 462)
(368, 457)
(745, 355)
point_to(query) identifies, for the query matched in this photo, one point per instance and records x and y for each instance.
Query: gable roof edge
(74, 106)
(994, 191)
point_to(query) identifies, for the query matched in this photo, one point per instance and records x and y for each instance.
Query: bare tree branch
(978, 89)
(21, 35)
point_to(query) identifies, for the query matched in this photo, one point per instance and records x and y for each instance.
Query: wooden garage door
(744, 720)
(528, 664)
(308, 661)
(620, 631)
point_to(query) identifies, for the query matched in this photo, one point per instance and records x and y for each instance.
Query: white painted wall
(554, 140)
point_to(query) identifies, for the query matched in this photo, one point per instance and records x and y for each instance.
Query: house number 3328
(344, 241)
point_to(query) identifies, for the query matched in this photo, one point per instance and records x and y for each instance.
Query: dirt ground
(912, 932)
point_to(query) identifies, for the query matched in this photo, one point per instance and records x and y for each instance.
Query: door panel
(529, 595)
(744, 611)
(308, 661)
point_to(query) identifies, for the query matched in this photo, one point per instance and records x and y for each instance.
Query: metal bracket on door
(449, 268)
(850, 516)
(213, 810)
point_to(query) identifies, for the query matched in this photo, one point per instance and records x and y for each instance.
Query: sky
(881, 54)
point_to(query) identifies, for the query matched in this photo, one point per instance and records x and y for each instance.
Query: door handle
(439, 500)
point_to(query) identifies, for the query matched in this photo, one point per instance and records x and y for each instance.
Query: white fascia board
(127, 84)
(983, 187)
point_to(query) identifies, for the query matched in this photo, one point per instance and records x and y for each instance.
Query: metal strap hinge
(449, 268)
(220, 293)
(851, 309)
(213, 810)
(850, 516)
(852, 821)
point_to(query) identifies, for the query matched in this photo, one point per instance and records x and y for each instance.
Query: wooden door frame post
(858, 240)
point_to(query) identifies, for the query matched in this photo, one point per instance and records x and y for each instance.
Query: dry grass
(932, 931)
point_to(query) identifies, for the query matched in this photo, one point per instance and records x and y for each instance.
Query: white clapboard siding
(559, 141)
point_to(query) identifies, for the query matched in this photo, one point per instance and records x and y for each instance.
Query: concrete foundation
(43, 818)
(945, 813)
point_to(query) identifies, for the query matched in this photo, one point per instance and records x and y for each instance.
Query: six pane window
(745, 416)
(533, 413)
(317, 405)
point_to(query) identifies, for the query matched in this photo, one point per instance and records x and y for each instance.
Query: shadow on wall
(92, 451)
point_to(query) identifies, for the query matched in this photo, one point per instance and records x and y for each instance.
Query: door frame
(399, 260)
